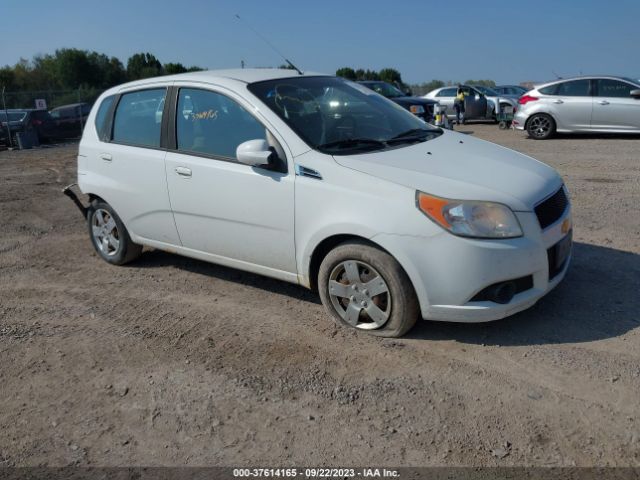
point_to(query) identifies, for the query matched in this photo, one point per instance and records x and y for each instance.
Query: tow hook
(74, 198)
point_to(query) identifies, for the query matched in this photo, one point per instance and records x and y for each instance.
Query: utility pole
(4, 105)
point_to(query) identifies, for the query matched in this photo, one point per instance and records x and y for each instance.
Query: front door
(222, 207)
(614, 108)
(475, 105)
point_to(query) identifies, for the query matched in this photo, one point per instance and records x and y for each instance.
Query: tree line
(72, 69)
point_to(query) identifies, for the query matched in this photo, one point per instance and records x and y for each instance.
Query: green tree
(143, 65)
(172, 68)
(390, 75)
(347, 72)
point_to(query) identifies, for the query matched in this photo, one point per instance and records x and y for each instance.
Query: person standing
(458, 104)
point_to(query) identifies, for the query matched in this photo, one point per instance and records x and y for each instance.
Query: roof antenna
(558, 77)
(270, 45)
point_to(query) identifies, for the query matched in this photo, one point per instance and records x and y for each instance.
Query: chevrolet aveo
(319, 181)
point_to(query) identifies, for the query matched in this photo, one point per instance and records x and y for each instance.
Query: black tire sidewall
(127, 249)
(404, 303)
(549, 133)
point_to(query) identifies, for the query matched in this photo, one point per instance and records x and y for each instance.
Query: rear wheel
(365, 288)
(109, 235)
(541, 126)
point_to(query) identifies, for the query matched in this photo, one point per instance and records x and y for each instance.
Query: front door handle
(558, 101)
(183, 171)
(603, 102)
(106, 157)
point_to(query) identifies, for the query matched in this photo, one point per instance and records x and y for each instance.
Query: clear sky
(508, 41)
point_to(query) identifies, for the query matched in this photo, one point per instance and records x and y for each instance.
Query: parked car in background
(27, 120)
(478, 104)
(319, 181)
(582, 104)
(70, 119)
(510, 90)
(419, 106)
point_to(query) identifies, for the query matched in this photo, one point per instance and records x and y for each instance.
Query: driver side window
(212, 124)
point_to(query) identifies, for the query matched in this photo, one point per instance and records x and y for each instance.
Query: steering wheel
(293, 100)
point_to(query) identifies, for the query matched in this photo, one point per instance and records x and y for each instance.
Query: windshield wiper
(353, 143)
(413, 135)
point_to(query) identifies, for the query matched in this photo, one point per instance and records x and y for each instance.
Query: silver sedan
(583, 104)
(480, 105)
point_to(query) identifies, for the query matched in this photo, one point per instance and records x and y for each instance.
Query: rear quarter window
(101, 118)
(550, 90)
(138, 118)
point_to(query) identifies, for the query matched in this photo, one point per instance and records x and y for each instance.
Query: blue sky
(508, 41)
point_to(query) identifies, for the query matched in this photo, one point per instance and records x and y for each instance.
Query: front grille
(550, 210)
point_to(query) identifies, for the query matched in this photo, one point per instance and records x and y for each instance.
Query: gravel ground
(171, 361)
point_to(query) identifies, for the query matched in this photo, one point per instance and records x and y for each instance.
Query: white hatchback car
(320, 181)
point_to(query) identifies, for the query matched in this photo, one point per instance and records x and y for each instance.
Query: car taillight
(523, 100)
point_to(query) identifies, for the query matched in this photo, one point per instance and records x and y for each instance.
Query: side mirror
(255, 153)
(635, 93)
(408, 92)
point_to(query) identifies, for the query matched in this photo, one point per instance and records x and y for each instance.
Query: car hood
(458, 166)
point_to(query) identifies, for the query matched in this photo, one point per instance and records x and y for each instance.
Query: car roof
(587, 77)
(245, 75)
(71, 105)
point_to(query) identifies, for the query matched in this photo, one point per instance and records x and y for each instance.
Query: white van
(319, 181)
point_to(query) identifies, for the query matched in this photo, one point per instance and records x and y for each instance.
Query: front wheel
(109, 236)
(365, 288)
(541, 126)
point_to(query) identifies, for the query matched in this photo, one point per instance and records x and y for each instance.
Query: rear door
(475, 105)
(571, 104)
(129, 163)
(614, 108)
(446, 97)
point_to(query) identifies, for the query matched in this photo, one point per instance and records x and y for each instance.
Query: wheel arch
(543, 112)
(326, 245)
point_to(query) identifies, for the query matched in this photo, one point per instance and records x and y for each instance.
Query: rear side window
(550, 90)
(138, 118)
(613, 88)
(575, 88)
(101, 118)
(213, 124)
(447, 92)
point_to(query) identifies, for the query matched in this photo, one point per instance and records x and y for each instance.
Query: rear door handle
(603, 102)
(558, 101)
(183, 171)
(106, 157)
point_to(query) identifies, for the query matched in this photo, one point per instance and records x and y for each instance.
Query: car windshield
(384, 89)
(339, 116)
(636, 82)
(13, 116)
(486, 90)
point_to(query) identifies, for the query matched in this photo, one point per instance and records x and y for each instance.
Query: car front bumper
(447, 271)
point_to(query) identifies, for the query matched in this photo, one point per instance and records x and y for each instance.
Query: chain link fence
(52, 98)
(44, 116)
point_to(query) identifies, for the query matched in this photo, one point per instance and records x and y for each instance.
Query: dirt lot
(172, 361)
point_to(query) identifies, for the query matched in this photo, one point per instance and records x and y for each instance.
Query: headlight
(468, 218)
(416, 109)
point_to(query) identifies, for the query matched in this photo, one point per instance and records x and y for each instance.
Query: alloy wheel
(360, 295)
(105, 232)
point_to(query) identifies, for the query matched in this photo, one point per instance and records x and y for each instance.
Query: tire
(109, 236)
(343, 278)
(541, 126)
